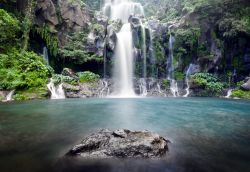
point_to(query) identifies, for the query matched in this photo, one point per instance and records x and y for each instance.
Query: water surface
(207, 134)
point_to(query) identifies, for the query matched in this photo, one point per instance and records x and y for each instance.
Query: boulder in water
(121, 143)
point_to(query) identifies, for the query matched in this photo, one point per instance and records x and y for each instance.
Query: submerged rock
(121, 144)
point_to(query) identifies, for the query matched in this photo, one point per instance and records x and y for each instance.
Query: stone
(246, 86)
(69, 72)
(121, 143)
(46, 12)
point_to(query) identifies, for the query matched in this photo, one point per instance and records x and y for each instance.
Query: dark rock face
(121, 144)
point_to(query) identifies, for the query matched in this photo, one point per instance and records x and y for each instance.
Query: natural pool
(207, 134)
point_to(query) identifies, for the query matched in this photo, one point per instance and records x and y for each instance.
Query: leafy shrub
(241, 94)
(22, 70)
(9, 26)
(20, 97)
(88, 76)
(208, 81)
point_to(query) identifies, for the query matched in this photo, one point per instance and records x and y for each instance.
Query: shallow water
(207, 134)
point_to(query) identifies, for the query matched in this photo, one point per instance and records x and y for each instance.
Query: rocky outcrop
(246, 85)
(62, 17)
(70, 73)
(121, 144)
(46, 13)
(73, 14)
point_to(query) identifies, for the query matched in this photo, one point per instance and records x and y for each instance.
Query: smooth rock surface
(121, 143)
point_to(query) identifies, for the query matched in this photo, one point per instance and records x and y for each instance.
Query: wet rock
(246, 86)
(121, 144)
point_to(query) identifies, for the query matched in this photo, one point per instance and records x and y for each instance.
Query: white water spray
(9, 96)
(229, 93)
(56, 92)
(122, 9)
(123, 70)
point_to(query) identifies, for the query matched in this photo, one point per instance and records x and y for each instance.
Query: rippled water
(207, 134)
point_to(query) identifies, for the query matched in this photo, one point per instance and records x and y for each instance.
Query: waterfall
(192, 68)
(122, 9)
(124, 56)
(123, 70)
(45, 55)
(144, 53)
(229, 93)
(56, 92)
(105, 89)
(143, 87)
(170, 67)
(9, 96)
(152, 54)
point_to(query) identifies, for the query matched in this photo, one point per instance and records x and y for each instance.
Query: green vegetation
(241, 94)
(58, 78)
(88, 76)
(209, 82)
(165, 84)
(74, 51)
(22, 70)
(50, 38)
(9, 27)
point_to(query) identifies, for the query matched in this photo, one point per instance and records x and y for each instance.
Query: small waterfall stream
(170, 67)
(57, 92)
(46, 55)
(229, 93)
(9, 96)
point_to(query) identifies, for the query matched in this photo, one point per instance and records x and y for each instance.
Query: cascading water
(229, 93)
(122, 9)
(105, 89)
(143, 87)
(170, 67)
(9, 96)
(45, 55)
(56, 92)
(123, 70)
(192, 68)
(124, 57)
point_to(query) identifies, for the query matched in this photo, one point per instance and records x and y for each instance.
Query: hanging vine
(50, 38)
